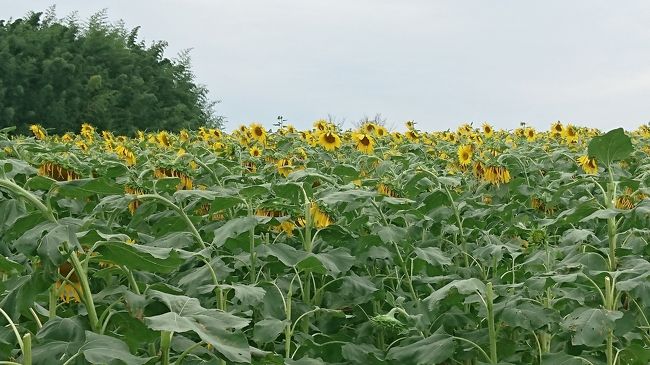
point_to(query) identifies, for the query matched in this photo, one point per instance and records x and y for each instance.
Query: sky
(439, 63)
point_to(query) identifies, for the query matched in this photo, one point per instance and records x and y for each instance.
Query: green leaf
(433, 256)
(267, 330)
(219, 329)
(140, 257)
(590, 326)
(432, 350)
(465, 287)
(100, 349)
(612, 146)
(233, 228)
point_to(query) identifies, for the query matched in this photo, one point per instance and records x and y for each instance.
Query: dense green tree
(63, 72)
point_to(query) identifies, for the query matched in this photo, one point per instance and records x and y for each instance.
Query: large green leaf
(432, 350)
(589, 326)
(100, 349)
(612, 146)
(140, 257)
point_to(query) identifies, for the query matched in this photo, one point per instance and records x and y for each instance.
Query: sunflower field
(326, 246)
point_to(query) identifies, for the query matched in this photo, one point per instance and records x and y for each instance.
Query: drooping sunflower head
(320, 219)
(588, 164)
(285, 166)
(38, 131)
(88, 132)
(184, 135)
(163, 139)
(496, 175)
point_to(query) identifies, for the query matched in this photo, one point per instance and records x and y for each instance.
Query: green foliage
(63, 72)
(323, 266)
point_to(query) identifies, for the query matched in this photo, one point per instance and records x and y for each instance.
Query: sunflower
(38, 131)
(530, 134)
(82, 146)
(184, 136)
(319, 218)
(570, 134)
(125, 154)
(258, 132)
(68, 137)
(410, 125)
(135, 203)
(71, 288)
(186, 182)
(589, 165)
(412, 135)
(464, 129)
(88, 132)
(369, 127)
(57, 172)
(386, 190)
(363, 142)
(381, 131)
(487, 130)
(287, 227)
(557, 128)
(284, 167)
(625, 200)
(321, 125)
(496, 175)
(107, 136)
(255, 152)
(465, 154)
(163, 139)
(329, 141)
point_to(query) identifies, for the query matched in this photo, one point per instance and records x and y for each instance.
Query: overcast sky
(439, 63)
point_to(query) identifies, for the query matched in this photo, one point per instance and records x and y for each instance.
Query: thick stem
(165, 344)
(27, 350)
(489, 298)
(16, 189)
(610, 304)
(86, 294)
(287, 327)
(251, 238)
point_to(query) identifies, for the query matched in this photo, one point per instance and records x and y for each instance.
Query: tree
(62, 72)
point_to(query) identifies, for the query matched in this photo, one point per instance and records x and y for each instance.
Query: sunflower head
(285, 166)
(588, 164)
(363, 142)
(487, 130)
(465, 154)
(258, 132)
(329, 140)
(38, 131)
(255, 151)
(557, 128)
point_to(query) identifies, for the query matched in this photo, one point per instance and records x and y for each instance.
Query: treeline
(63, 72)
